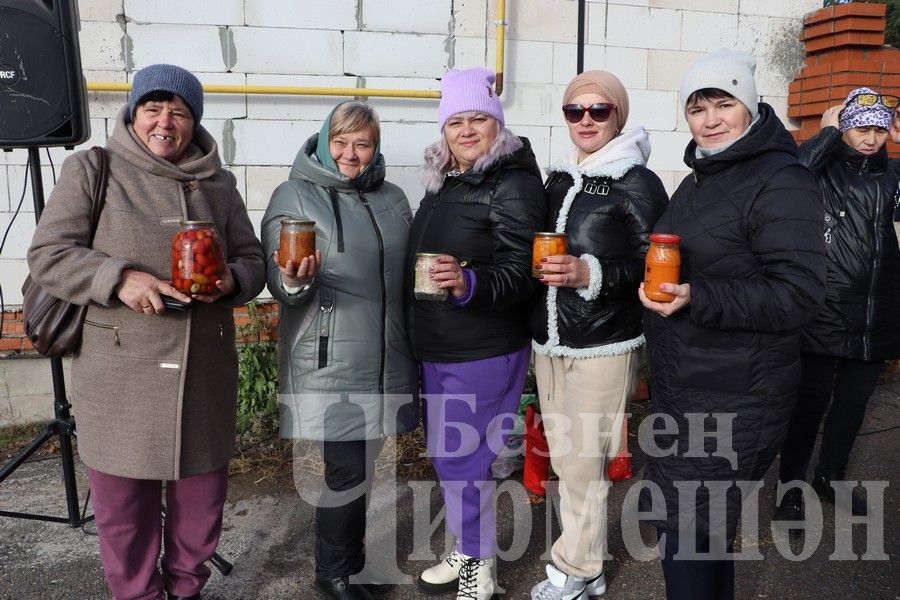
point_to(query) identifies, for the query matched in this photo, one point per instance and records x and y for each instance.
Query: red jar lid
(665, 238)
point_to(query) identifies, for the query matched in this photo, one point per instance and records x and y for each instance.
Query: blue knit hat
(167, 78)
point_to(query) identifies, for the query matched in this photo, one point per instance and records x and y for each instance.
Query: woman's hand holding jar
(681, 291)
(449, 275)
(298, 274)
(565, 270)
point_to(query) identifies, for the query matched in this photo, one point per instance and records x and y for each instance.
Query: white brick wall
(101, 46)
(194, 47)
(639, 27)
(279, 107)
(707, 31)
(195, 12)
(649, 44)
(395, 54)
(429, 16)
(99, 10)
(281, 50)
(336, 15)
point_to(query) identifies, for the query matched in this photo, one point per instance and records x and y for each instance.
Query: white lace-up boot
(477, 580)
(561, 586)
(444, 576)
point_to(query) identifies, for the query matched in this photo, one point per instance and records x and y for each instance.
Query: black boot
(174, 597)
(340, 588)
(791, 507)
(378, 589)
(822, 485)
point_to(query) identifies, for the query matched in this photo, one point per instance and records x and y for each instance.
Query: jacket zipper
(335, 206)
(411, 319)
(383, 310)
(870, 308)
(326, 306)
(115, 329)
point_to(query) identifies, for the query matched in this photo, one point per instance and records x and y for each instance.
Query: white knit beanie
(728, 70)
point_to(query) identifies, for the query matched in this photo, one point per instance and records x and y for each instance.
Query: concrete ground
(269, 537)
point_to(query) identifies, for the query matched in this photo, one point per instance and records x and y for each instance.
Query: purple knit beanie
(854, 115)
(468, 90)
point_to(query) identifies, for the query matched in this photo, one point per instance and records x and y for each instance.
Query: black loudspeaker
(43, 101)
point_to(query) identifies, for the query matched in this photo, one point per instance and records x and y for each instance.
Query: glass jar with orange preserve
(296, 242)
(197, 258)
(546, 244)
(663, 265)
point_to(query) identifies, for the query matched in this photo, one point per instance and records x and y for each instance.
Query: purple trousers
(128, 514)
(470, 409)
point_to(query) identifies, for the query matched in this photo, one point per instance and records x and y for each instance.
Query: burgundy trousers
(131, 531)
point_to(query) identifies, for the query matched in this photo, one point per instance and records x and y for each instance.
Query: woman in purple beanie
(846, 345)
(484, 200)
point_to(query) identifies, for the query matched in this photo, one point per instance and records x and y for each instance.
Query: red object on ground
(537, 455)
(619, 468)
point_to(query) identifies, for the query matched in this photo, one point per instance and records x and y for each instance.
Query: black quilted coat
(610, 218)
(752, 250)
(859, 319)
(487, 220)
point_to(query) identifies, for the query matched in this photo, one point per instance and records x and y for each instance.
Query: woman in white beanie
(727, 348)
(586, 324)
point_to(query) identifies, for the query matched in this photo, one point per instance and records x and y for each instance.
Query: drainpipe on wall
(581, 19)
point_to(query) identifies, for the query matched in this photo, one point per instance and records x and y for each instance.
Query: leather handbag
(54, 326)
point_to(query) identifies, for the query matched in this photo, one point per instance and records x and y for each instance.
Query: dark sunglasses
(599, 112)
(868, 99)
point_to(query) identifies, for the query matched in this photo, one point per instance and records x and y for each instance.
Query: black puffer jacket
(607, 211)
(859, 319)
(486, 219)
(750, 219)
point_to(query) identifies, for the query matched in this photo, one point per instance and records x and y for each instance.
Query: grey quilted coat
(344, 366)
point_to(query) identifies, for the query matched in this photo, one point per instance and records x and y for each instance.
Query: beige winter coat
(153, 395)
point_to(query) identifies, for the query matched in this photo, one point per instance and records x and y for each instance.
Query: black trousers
(703, 579)
(851, 382)
(341, 514)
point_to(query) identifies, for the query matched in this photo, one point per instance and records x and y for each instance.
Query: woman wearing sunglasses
(724, 354)
(587, 322)
(846, 345)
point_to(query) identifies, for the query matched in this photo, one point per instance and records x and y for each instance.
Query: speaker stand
(62, 424)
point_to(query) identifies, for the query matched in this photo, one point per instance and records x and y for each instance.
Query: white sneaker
(477, 580)
(596, 586)
(561, 586)
(444, 576)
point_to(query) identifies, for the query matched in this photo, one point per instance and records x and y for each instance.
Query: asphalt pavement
(269, 532)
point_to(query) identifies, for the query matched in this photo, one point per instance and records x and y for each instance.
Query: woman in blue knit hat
(154, 390)
(846, 345)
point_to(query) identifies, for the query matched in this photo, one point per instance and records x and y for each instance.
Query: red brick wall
(844, 50)
(15, 342)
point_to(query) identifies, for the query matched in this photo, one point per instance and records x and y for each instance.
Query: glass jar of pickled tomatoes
(197, 258)
(546, 244)
(663, 265)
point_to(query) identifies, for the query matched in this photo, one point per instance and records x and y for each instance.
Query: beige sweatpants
(583, 401)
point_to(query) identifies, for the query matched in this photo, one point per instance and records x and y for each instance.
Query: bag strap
(98, 197)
